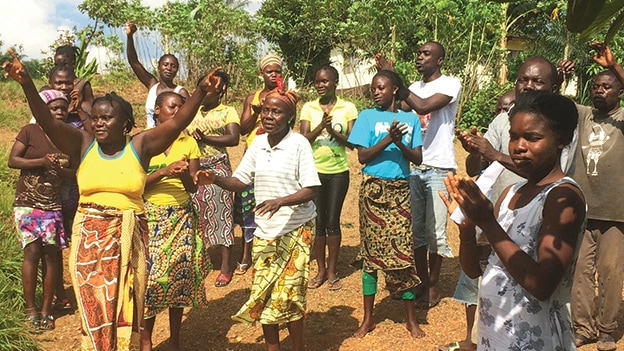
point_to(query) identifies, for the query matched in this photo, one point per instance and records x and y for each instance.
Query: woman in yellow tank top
(108, 255)
(270, 67)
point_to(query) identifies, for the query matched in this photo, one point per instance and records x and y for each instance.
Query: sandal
(63, 305)
(223, 280)
(316, 283)
(455, 346)
(241, 268)
(334, 285)
(32, 322)
(46, 323)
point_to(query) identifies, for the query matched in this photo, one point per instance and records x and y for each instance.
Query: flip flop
(241, 268)
(455, 346)
(334, 285)
(316, 283)
(223, 280)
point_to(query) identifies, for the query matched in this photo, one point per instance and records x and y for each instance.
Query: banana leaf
(610, 10)
(582, 13)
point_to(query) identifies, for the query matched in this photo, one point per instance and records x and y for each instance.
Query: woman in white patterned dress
(524, 297)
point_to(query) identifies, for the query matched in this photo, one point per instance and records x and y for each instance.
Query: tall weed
(13, 334)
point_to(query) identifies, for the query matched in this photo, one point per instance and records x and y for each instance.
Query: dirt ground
(332, 316)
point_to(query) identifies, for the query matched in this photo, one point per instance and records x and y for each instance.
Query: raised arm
(87, 98)
(66, 138)
(249, 116)
(604, 57)
(144, 76)
(155, 141)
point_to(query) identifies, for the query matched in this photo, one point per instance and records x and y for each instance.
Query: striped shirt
(277, 172)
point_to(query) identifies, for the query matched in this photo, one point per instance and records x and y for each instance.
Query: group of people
(142, 208)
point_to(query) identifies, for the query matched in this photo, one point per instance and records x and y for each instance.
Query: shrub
(479, 110)
(13, 334)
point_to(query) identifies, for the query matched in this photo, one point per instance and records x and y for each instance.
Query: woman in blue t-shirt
(387, 140)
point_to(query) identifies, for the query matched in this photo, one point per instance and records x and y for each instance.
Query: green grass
(14, 110)
(13, 334)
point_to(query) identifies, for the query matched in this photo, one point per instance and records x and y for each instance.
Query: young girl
(37, 207)
(280, 165)
(387, 140)
(83, 96)
(525, 288)
(178, 258)
(327, 123)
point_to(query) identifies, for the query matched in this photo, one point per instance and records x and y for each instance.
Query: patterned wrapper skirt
(108, 265)
(244, 216)
(280, 278)
(178, 260)
(215, 206)
(34, 224)
(386, 232)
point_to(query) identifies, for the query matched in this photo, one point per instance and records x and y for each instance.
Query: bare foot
(467, 345)
(365, 328)
(415, 330)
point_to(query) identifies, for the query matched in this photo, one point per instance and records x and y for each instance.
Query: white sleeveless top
(150, 102)
(510, 318)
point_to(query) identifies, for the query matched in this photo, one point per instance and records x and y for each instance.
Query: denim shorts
(467, 289)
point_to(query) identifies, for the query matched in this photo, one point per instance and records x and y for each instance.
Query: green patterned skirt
(179, 261)
(280, 278)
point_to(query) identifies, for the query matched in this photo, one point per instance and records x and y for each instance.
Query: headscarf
(50, 95)
(289, 97)
(270, 59)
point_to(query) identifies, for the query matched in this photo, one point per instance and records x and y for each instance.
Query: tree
(304, 30)
(208, 34)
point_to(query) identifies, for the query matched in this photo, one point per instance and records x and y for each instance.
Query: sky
(34, 23)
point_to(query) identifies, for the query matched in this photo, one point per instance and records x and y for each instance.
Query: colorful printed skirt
(280, 278)
(108, 265)
(244, 216)
(386, 232)
(215, 206)
(178, 260)
(34, 224)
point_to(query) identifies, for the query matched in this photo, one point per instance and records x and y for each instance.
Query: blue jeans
(429, 213)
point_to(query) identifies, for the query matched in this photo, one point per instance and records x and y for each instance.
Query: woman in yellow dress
(109, 247)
